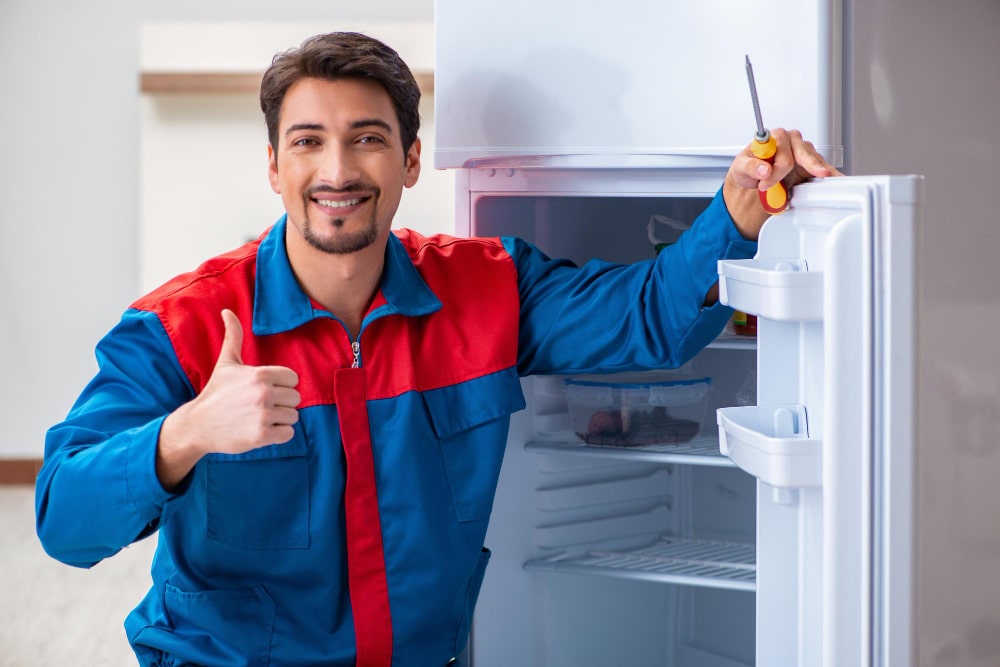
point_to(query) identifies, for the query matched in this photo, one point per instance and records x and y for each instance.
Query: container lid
(638, 380)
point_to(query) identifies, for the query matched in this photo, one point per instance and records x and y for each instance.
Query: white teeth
(338, 204)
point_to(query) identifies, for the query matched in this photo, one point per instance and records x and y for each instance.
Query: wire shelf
(705, 563)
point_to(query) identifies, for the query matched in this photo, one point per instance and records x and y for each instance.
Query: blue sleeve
(605, 317)
(97, 490)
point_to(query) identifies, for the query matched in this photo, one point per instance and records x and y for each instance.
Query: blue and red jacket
(360, 541)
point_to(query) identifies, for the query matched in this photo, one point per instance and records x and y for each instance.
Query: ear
(412, 164)
(272, 169)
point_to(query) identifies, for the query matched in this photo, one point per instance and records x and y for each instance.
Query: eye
(371, 139)
(305, 141)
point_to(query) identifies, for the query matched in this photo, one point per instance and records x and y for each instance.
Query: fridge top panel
(606, 160)
(703, 181)
(639, 83)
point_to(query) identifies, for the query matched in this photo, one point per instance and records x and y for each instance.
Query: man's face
(340, 166)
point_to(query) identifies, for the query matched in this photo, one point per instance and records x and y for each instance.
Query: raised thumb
(232, 343)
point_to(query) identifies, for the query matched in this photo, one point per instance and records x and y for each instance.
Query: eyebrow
(304, 126)
(356, 125)
(366, 122)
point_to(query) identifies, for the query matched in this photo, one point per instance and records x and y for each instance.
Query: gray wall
(924, 93)
(69, 186)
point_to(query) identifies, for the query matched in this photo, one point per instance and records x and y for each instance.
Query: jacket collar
(281, 305)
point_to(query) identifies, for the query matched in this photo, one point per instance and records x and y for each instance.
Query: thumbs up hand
(241, 408)
(253, 406)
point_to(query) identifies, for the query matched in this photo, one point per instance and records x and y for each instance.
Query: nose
(339, 167)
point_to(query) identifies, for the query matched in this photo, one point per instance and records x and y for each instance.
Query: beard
(344, 243)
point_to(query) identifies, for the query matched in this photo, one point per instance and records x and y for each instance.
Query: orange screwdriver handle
(775, 198)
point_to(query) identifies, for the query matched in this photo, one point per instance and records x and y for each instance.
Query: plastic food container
(636, 409)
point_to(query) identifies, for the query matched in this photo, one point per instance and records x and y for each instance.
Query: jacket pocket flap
(295, 447)
(460, 407)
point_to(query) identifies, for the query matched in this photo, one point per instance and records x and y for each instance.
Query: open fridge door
(830, 440)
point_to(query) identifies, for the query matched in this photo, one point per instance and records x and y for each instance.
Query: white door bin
(772, 443)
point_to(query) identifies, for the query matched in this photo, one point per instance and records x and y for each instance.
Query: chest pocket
(260, 499)
(470, 421)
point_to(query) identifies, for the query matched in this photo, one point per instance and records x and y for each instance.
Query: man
(315, 421)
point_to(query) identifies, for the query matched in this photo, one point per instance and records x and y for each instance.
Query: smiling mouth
(344, 203)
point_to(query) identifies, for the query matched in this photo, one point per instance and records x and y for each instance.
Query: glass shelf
(733, 342)
(704, 563)
(700, 451)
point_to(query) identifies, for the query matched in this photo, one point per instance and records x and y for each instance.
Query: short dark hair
(342, 55)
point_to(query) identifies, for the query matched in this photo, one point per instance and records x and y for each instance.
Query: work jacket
(361, 540)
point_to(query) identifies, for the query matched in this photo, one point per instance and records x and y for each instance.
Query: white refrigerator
(787, 532)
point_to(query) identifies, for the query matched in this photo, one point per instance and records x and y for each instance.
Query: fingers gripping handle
(775, 198)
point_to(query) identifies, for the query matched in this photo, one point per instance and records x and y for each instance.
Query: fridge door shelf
(698, 452)
(776, 289)
(772, 443)
(672, 560)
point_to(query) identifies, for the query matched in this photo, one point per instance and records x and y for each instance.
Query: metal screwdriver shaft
(762, 133)
(775, 199)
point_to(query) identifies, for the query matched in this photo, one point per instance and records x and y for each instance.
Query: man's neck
(344, 284)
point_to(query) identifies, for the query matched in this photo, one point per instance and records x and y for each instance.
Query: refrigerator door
(830, 440)
(570, 83)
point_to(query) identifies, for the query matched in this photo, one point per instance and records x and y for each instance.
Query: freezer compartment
(567, 80)
(778, 289)
(772, 443)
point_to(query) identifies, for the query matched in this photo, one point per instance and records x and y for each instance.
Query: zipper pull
(356, 348)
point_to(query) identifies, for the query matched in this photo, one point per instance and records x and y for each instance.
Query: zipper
(356, 349)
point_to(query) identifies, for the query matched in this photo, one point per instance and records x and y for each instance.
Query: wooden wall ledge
(229, 82)
(19, 471)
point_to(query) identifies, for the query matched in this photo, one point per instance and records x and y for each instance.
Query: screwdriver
(775, 199)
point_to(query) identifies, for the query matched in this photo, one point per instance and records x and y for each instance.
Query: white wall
(69, 199)
(203, 178)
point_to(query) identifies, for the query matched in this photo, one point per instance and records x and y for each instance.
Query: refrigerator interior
(615, 555)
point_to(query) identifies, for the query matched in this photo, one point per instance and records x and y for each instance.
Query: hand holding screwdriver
(775, 198)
